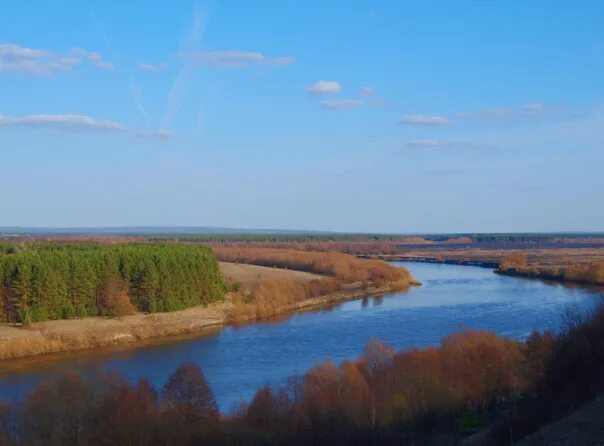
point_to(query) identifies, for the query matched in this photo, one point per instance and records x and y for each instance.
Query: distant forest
(367, 237)
(42, 281)
(222, 235)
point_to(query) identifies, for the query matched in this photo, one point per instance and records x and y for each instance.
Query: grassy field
(250, 276)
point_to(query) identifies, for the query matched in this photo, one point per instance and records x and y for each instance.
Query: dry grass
(344, 267)
(583, 265)
(554, 257)
(97, 332)
(272, 296)
(250, 276)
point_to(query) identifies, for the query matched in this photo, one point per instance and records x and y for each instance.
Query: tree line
(44, 280)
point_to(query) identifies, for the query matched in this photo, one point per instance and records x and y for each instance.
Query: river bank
(96, 332)
(569, 271)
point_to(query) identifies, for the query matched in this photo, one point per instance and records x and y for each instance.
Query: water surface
(236, 361)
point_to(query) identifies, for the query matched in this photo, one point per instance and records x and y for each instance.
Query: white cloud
(424, 143)
(324, 87)
(448, 171)
(155, 134)
(526, 111)
(438, 121)
(18, 59)
(93, 57)
(447, 145)
(536, 107)
(368, 91)
(65, 123)
(69, 123)
(234, 59)
(341, 104)
(531, 110)
(153, 68)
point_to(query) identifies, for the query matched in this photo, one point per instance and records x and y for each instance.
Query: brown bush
(114, 299)
(593, 273)
(273, 296)
(515, 260)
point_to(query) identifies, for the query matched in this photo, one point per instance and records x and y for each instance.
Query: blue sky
(392, 116)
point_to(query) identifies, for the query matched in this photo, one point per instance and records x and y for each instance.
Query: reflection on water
(238, 360)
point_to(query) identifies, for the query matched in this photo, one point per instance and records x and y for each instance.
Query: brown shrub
(273, 296)
(114, 299)
(593, 273)
(515, 260)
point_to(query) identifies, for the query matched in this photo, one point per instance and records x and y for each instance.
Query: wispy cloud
(534, 108)
(324, 87)
(191, 42)
(93, 57)
(447, 171)
(447, 145)
(424, 144)
(341, 104)
(428, 120)
(64, 123)
(71, 123)
(368, 91)
(154, 134)
(527, 111)
(152, 68)
(22, 60)
(137, 98)
(503, 113)
(234, 59)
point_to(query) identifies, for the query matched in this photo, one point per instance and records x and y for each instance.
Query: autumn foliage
(269, 297)
(473, 379)
(383, 397)
(515, 260)
(272, 296)
(343, 267)
(517, 263)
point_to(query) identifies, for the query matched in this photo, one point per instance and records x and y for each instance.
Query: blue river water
(237, 361)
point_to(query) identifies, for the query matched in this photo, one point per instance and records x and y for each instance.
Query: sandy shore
(95, 332)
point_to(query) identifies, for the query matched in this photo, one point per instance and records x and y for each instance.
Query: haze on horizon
(414, 117)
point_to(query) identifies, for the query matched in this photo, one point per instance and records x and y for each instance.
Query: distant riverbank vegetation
(346, 268)
(272, 295)
(42, 281)
(473, 381)
(517, 264)
(269, 296)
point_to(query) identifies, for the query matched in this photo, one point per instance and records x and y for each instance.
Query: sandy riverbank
(95, 332)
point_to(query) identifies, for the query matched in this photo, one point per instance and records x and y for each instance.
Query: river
(236, 361)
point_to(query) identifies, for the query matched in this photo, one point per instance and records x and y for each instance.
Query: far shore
(89, 333)
(495, 265)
